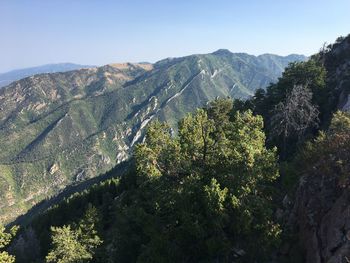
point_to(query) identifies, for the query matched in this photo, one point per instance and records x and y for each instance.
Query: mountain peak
(124, 66)
(222, 52)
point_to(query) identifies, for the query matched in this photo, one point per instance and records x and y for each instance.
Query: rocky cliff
(321, 212)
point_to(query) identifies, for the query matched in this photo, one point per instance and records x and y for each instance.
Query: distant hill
(13, 75)
(60, 128)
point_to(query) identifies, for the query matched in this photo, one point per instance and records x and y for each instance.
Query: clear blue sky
(100, 32)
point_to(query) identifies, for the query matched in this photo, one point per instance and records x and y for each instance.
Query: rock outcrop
(337, 63)
(322, 214)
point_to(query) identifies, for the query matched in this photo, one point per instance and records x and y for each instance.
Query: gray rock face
(321, 212)
(338, 67)
(322, 215)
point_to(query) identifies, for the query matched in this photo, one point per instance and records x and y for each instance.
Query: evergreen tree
(87, 230)
(66, 246)
(294, 116)
(199, 194)
(5, 239)
(76, 244)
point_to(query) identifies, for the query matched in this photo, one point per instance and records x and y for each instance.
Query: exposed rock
(80, 176)
(322, 214)
(79, 118)
(54, 168)
(338, 66)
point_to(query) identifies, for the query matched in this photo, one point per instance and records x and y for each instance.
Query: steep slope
(13, 75)
(337, 62)
(57, 129)
(321, 211)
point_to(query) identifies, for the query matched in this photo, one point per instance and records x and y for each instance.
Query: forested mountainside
(261, 180)
(13, 75)
(62, 128)
(321, 211)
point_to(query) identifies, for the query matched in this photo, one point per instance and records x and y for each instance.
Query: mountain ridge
(8, 77)
(62, 128)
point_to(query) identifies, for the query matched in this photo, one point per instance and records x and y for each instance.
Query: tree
(195, 136)
(5, 239)
(311, 75)
(201, 193)
(76, 244)
(66, 246)
(328, 155)
(294, 116)
(87, 230)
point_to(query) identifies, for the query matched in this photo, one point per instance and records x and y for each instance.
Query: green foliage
(71, 210)
(286, 106)
(340, 123)
(201, 193)
(66, 246)
(75, 244)
(205, 191)
(204, 194)
(329, 153)
(310, 74)
(5, 239)
(80, 120)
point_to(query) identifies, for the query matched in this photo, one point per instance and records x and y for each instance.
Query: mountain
(337, 61)
(62, 128)
(11, 76)
(321, 208)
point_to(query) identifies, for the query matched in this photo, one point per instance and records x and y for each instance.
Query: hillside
(62, 128)
(320, 213)
(13, 75)
(224, 188)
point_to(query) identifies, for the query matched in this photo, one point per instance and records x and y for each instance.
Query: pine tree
(5, 239)
(75, 244)
(66, 246)
(200, 191)
(294, 116)
(87, 230)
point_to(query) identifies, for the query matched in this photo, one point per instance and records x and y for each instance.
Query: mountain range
(13, 75)
(57, 129)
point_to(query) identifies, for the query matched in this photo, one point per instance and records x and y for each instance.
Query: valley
(59, 129)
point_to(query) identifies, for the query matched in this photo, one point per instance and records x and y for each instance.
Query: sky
(96, 32)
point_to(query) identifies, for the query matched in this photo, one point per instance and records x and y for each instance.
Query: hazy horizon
(98, 33)
(113, 62)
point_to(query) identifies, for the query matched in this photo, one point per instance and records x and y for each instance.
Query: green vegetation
(212, 188)
(204, 194)
(62, 128)
(75, 245)
(295, 107)
(329, 153)
(5, 239)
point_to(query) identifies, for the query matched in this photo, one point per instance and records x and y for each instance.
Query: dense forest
(219, 188)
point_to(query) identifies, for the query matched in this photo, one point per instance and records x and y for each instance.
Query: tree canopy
(5, 239)
(75, 244)
(200, 195)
